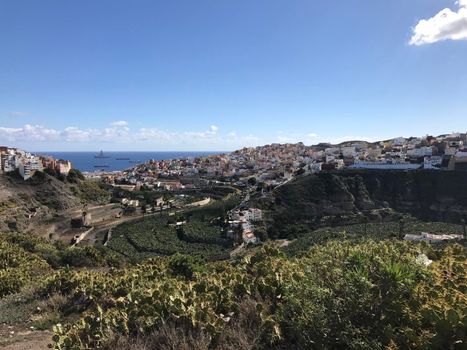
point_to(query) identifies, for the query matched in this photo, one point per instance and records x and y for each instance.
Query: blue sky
(219, 75)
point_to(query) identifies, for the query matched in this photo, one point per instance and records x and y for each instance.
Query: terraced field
(154, 236)
(157, 235)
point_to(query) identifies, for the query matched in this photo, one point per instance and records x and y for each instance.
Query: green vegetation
(355, 293)
(198, 232)
(156, 236)
(24, 258)
(92, 191)
(17, 267)
(168, 286)
(376, 231)
(367, 295)
(74, 176)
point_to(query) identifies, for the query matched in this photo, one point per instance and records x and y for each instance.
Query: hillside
(352, 295)
(30, 205)
(334, 288)
(347, 197)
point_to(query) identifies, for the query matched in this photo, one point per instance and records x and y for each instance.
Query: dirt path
(12, 338)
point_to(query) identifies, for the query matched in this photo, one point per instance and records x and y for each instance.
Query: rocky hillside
(28, 205)
(337, 198)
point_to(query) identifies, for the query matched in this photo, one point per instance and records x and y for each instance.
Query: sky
(150, 75)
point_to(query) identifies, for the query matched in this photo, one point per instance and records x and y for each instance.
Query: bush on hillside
(340, 295)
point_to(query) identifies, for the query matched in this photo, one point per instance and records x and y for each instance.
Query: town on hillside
(251, 170)
(276, 163)
(14, 159)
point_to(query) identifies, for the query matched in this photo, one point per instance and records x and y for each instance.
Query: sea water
(114, 161)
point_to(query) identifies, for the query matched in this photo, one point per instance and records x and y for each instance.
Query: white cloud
(30, 133)
(445, 25)
(119, 123)
(118, 133)
(208, 134)
(155, 135)
(73, 134)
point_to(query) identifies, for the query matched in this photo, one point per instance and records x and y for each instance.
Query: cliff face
(335, 198)
(430, 195)
(26, 205)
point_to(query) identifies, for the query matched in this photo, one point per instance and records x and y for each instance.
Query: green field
(154, 236)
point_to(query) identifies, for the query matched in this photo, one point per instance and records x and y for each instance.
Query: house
(63, 167)
(249, 237)
(159, 201)
(130, 202)
(398, 142)
(348, 152)
(253, 214)
(29, 166)
(420, 152)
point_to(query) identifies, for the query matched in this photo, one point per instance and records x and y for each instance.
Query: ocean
(114, 161)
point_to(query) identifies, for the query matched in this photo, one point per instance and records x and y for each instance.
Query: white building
(385, 166)
(249, 237)
(432, 238)
(348, 152)
(63, 167)
(29, 167)
(253, 214)
(399, 141)
(332, 151)
(420, 152)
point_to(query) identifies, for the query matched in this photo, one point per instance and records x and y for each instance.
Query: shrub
(74, 175)
(185, 265)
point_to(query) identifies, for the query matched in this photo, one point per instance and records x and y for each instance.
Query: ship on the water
(101, 155)
(122, 158)
(102, 166)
